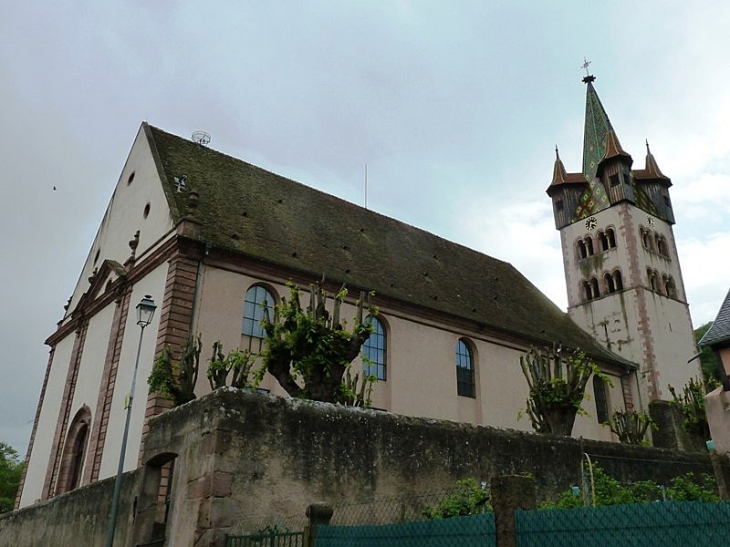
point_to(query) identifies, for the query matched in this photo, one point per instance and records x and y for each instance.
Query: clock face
(650, 221)
(591, 223)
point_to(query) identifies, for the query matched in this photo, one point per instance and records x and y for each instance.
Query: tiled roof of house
(268, 217)
(719, 332)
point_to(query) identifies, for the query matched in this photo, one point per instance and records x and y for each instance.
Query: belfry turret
(622, 271)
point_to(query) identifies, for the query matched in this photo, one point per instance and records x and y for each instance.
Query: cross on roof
(585, 65)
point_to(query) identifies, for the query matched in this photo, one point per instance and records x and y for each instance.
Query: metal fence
(271, 538)
(659, 524)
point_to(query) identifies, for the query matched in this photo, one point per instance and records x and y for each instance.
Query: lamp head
(145, 311)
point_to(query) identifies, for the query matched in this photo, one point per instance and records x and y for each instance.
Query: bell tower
(621, 266)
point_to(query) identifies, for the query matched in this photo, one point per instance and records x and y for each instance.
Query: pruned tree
(557, 382)
(630, 427)
(177, 379)
(238, 362)
(11, 468)
(691, 403)
(309, 350)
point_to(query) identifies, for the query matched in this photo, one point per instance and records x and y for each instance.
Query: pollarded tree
(557, 381)
(10, 470)
(310, 350)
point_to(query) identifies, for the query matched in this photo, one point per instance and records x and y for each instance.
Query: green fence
(660, 524)
(267, 539)
(471, 531)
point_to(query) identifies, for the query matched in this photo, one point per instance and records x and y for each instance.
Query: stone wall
(78, 517)
(241, 461)
(244, 460)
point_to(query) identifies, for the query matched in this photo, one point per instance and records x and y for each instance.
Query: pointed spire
(597, 127)
(613, 146)
(652, 169)
(559, 173)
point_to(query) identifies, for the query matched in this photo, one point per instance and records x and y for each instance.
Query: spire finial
(557, 153)
(588, 77)
(648, 152)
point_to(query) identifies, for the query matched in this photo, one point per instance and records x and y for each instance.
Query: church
(209, 237)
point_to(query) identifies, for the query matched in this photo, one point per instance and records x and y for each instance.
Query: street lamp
(145, 311)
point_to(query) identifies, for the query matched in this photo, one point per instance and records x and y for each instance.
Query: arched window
(611, 236)
(582, 253)
(74, 450)
(603, 238)
(653, 279)
(661, 245)
(464, 370)
(375, 351)
(589, 245)
(253, 313)
(608, 281)
(586, 288)
(599, 394)
(595, 292)
(646, 239)
(670, 287)
(618, 281)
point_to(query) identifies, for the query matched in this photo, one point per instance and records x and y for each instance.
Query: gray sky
(456, 107)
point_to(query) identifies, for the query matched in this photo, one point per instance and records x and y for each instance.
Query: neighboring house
(717, 402)
(622, 269)
(210, 237)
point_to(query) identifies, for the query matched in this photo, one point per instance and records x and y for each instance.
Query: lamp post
(145, 311)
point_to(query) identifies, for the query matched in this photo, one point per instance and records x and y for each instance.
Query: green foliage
(177, 379)
(611, 492)
(237, 362)
(630, 426)
(708, 358)
(309, 350)
(691, 403)
(11, 469)
(467, 499)
(557, 382)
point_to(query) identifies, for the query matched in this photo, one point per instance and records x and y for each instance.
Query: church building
(209, 237)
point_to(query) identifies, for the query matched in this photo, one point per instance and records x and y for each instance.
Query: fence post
(510, 492)
(318, 514)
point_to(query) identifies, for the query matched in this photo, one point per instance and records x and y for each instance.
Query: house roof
(719, 332)
(249, 210)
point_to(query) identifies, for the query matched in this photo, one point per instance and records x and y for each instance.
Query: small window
(667, 202)
(603, 238)
(670, 287)
(374, 350)
(559, 206)
(608, 281)
(253, 314)
(646, 239)
(582, 252)
(586, 290)
(653, 279)
(599, 394)
(464, 370)
(618, 281)
(589, 245)
(594, 288)
(614, 180)
(611, 236)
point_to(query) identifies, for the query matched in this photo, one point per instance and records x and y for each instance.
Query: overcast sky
(455, 106)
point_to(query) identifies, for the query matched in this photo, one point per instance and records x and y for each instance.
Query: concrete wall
(76, 518)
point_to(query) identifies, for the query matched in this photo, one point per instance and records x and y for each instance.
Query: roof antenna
(366, 186)
(201, 137)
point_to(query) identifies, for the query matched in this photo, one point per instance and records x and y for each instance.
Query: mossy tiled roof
(271, 218)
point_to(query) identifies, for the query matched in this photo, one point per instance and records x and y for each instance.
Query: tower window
(611, 236)
(610, 285)
(670, 287)
(618, 281)
(667, 202)
(653, 279)
(646, 240)
(374, 350)
(589, 245)
(464, 370)
(604, 241)
(559, 205)
(614, 181)
(582, 252)
(661, 245)
(586, 290)
(595, 292)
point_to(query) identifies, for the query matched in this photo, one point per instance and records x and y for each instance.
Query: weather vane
(585, 65)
